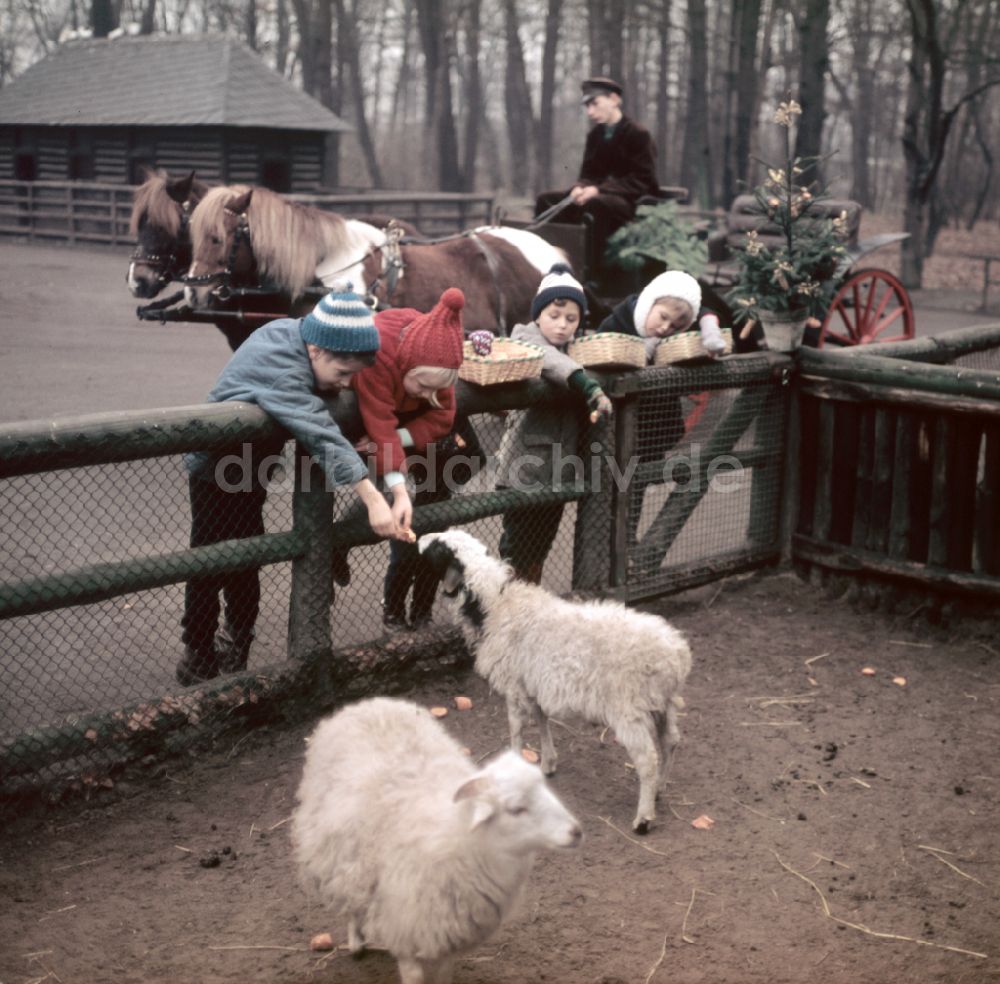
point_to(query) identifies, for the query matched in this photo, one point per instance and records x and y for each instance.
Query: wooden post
(626, 413)
(312, 583)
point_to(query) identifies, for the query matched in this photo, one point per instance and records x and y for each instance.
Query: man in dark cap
(619, 166)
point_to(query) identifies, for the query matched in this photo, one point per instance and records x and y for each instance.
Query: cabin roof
(160, 80)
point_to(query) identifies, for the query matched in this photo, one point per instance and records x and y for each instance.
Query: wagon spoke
(868, 304)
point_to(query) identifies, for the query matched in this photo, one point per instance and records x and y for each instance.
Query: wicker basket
(608, 349)
(686, 346)
(508, 362)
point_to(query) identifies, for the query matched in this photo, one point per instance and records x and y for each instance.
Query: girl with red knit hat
(407, 402)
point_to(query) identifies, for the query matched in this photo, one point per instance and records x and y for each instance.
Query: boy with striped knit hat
(286, 367)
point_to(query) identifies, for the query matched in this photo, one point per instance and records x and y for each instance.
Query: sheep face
(468, 572)
(514, 807)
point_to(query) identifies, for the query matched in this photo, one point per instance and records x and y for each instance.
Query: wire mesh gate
(97, 521)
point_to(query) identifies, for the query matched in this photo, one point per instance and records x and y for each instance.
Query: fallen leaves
(463, 703)
(704, 822)
(321, 941)
(439, 712)
(529, 755)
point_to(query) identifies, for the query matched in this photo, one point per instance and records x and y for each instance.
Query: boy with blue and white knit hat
(289, 367)
(537, 441)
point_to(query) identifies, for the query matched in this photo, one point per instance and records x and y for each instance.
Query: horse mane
(152, 200)
(289, 240)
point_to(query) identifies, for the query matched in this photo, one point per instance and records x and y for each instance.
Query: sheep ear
(452, 580)
(476, 789)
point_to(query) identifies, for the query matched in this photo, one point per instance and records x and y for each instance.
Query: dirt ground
(855, 834)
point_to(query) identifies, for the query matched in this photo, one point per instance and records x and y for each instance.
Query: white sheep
(550, 657)
(399, 832)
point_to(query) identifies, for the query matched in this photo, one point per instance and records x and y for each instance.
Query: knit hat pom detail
(558, 284)
(435, 338)
(341, 322)
(453, 298)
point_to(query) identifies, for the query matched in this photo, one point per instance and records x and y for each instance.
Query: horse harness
(241, 234)
(167, 265)
(393, 267)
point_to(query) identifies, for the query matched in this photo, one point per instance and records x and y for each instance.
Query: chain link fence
(98, 521)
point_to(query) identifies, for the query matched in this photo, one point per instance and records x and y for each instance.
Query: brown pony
(249, 235)
(161, 209)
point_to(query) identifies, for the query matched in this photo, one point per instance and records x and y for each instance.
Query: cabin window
(25, 166)
(276, 174)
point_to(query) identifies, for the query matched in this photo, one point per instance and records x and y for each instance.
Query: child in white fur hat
(667, 305)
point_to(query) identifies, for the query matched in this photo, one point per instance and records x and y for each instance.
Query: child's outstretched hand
(402, 510)
(600, 405)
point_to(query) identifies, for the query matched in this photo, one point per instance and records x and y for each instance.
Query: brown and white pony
(161, 209)
(245, 235)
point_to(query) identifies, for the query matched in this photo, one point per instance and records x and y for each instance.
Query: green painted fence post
(312, 585)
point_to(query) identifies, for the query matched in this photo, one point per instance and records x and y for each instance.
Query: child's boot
(232, 653)
(196, 666)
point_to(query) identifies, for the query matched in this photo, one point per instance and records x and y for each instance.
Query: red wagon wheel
(871, 306)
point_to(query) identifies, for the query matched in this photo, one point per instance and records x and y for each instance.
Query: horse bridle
(168, 266)
(241, 234)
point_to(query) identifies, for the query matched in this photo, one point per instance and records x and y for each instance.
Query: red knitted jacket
(382, 401)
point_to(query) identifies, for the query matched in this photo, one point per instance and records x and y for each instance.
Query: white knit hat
(673, 283)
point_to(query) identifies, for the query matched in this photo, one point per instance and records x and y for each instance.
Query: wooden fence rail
(89, 212)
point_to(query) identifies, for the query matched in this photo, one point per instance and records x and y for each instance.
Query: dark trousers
(607, 213)
(215, 516)
(407, 567)
(527, 538)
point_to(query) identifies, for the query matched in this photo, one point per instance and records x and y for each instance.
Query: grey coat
(535, 437)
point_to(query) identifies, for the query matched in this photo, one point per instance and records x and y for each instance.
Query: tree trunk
(283, 37)
(351, 52)
(746, 83)
(475, 110)
(148, 23)
(815, 57)
(696, 163)
(433, 21)
(517, 100)
(546, 121)
(250, 24)
(103, 17)
(662, 102)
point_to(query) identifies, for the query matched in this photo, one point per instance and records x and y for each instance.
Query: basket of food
(490, 360)
(608, 350)
(687, 346)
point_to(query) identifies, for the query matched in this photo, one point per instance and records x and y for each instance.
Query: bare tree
(696, 161)
(474, 108)
(546, 127)
(517, 99)
(103, 17)
(815, 59)
(662, 79)
(351, 57)
(926, 126)
(433, 23)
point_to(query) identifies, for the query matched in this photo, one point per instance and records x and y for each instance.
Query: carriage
(869, 304)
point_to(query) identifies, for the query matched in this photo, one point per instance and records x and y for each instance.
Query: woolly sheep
(551, 657)
(398, 831)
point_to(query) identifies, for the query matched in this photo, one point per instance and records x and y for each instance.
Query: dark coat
(625, 165)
